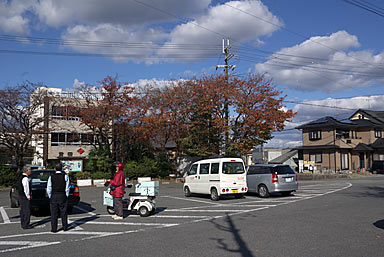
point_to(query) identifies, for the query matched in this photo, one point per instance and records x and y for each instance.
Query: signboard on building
(73, 165)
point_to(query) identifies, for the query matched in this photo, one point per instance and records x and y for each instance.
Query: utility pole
(227, 57)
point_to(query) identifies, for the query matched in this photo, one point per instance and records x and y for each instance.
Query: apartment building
(66, 139)
(351, 144)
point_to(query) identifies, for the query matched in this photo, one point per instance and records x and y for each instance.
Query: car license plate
(235, 191)
(289, 179)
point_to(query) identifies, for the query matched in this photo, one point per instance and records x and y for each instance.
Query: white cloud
(194, 40)
(120, 12)
(167, 25)
(330, 68)
(222, 21)
(340, 109)
(130, 47)
(12, 16)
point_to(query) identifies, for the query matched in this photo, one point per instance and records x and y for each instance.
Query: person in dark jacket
(58, 191)
(24, 189)
(118, 186)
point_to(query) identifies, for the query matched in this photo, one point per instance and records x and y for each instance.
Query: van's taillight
(274, 178)
(76, 192)
(296, 178)
(223, 190)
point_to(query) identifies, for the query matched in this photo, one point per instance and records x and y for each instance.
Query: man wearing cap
(58, 191)
(118, 186)
(24, 188)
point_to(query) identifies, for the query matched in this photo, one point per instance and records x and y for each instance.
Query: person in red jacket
(118, 186)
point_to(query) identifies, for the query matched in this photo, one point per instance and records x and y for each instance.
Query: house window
(344, 161)
(315, 135)
(316, 157)
(70, 154)
(378, 133)
(71, 139)
(57, 139)
(378, 157)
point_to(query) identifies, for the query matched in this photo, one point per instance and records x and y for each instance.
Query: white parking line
(150, 226)
(183, 210)
(124, 223)
(189, 199)
(4, 215)
(74, 226)
(28, 244)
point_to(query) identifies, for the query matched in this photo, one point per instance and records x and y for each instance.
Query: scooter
(144, 205)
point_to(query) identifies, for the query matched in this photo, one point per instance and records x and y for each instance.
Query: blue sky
(324, 52)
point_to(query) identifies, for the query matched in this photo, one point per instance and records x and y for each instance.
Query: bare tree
(22, 119)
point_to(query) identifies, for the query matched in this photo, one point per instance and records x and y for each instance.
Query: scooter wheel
(144, 212)
(110, 210)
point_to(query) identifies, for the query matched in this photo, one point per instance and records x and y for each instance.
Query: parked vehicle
(377, 167)
(264, 179)
(40, 200)
(142, 201)
(216, 177)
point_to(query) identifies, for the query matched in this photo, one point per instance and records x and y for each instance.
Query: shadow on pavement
(82, 221)
(41, 222)
(242, 247)
(379, 224)
(82, 208)
(372, 191)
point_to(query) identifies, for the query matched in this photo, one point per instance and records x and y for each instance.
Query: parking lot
(90, 219)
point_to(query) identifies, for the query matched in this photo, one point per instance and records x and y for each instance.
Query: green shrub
(82, 175)
(158, 168)
(101, 175)
(99, 160)
(7, 175)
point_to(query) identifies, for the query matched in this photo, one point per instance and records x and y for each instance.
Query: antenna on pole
(227, 57)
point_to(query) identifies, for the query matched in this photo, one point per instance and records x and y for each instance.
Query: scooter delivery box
(150, 188)
(108, 199)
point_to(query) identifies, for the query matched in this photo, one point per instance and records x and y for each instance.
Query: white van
(221, 176)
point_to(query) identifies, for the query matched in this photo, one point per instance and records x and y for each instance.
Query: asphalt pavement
(324, 218)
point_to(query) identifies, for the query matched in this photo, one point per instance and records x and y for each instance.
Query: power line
(172, 56)
(365, 5)
(290, 31)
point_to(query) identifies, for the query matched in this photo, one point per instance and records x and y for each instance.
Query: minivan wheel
(263, 191)
(187, 192)
(214, 195)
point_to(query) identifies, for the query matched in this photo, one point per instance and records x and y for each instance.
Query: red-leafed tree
(192, 114)
(103, 108)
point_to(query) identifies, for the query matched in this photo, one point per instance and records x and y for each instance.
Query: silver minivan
(264, 179)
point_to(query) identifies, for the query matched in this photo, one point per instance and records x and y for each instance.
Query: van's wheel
(214, 195)
(263, 191)
(144, 212)
(110, 210)
(187, 192)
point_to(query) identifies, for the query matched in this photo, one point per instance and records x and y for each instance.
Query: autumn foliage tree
(103, 108)
(192, 114)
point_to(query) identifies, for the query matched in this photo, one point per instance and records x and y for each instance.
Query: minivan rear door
(285, 174)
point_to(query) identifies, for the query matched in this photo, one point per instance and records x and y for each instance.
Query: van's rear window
(282, 170)
(233, 168)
